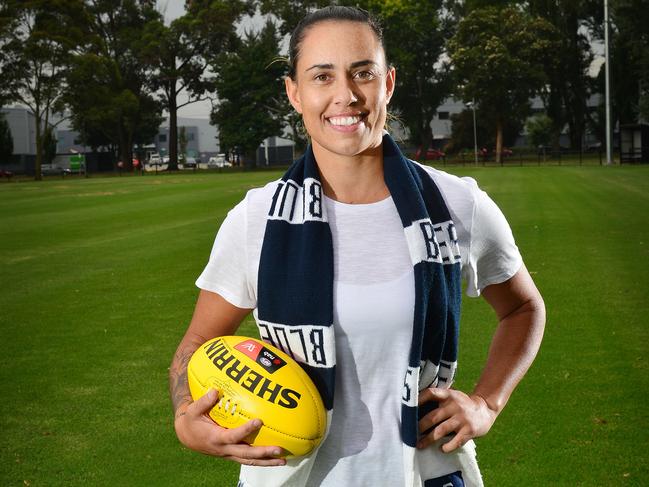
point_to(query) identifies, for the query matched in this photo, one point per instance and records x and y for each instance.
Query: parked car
(218, 161)
(52, 170)
(431, 154)
(187, 162)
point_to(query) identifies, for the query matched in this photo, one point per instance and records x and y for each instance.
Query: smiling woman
(352, 264)
(340, 82)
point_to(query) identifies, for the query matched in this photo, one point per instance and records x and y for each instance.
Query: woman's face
(342, 87)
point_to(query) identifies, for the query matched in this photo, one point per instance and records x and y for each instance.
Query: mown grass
(97, 288)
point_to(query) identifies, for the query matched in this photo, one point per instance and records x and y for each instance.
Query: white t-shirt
(374, 298)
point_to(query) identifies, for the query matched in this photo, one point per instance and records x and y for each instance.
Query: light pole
(471, 105)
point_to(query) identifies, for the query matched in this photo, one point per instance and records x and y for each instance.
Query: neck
(354, 179)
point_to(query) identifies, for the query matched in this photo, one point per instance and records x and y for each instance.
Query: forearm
(513, 349)
(178, 384)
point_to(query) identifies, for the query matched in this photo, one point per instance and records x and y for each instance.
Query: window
(162, 137)
(190, 137)
(443, 115)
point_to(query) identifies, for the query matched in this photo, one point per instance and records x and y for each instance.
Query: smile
(345, 121)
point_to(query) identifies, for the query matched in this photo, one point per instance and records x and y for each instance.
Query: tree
(569, 86)
(182, 143)
(38, 39)
(6, 141)
(49, 145)
(179, 55)
(109, 93)
(540, 130)
(498, 56)
(462, 131)
(290, 12)
(630, 59)
(249, 84)
(415, 35)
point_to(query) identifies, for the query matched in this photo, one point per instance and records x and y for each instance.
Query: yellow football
(256, 380)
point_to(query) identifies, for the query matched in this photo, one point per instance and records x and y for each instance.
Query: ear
(292, 93)
(390, 81)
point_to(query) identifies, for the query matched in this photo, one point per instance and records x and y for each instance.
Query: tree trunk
(499, 141)
(38, 174)
(173, 126)
(125, 148)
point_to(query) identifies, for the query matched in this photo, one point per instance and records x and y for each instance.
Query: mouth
(346, 122)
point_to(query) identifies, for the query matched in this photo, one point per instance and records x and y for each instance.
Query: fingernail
(277, 452)
(256, 423)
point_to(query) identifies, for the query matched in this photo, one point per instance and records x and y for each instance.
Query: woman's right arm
(213, 316)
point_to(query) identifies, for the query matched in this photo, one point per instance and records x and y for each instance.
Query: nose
(346, 93)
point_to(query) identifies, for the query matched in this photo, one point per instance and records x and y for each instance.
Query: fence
(526, 157)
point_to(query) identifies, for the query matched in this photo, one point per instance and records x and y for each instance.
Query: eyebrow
(356, 64)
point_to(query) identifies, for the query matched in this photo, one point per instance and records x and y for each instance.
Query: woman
(360, 252)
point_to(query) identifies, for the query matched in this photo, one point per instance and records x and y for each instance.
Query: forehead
(339, 43)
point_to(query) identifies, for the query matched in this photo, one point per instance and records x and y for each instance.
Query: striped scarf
(296, 272)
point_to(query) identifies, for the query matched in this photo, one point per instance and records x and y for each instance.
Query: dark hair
(334, 12)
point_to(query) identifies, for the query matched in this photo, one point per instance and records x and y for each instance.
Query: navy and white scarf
(296, 272)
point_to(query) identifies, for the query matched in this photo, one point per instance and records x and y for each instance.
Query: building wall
(23, 129)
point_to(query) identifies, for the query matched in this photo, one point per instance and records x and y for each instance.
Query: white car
(218, 161)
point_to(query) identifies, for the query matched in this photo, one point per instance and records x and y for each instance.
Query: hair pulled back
(331, 13)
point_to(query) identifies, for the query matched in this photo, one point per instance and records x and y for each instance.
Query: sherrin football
(256, 380)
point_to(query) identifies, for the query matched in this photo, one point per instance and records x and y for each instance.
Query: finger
(248, 452)
(433, 394)
(458, 441)
(443, 429)
(275, 462)
(238, 434)
(205, 403)
(433, 418)
(447, 427)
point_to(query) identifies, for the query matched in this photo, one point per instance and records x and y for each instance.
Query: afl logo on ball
(265, 362)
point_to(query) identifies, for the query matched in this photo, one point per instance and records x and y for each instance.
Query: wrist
(181, 409)
(494, 406)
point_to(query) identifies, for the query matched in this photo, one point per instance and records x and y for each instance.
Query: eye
(322, 77)
(365, 75)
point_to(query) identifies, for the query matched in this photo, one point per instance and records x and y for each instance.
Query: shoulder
(449, 184)
(459, 193)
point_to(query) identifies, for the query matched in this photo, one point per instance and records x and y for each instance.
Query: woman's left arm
(521, 315)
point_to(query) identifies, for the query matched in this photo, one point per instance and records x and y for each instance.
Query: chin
(347, 146)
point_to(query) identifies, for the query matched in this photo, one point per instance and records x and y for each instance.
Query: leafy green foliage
(569, 85)
(540, 130)
(37, 40)
(179, 55)
(109, 93)
(249, 84)
(630, 59)
(415, 34)
(498, 56)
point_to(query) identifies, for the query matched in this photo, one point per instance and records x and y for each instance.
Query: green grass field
(97, 288)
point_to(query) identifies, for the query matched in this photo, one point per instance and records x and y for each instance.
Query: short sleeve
(493, 254)
(226, 273)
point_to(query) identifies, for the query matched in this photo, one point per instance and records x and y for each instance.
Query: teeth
(344, 120)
